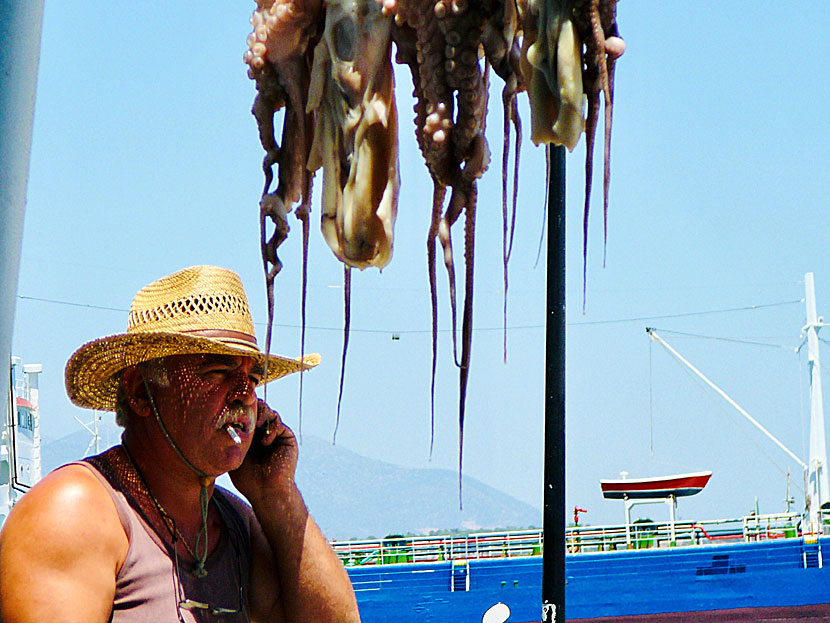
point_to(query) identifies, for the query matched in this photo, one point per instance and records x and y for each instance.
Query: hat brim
(91, 370)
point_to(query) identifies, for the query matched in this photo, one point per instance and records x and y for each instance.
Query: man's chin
(232, 459)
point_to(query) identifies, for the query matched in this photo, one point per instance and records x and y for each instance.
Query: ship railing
(399, 549)
(641, 535)
(758, 527)
(648, 534)
(578, 540)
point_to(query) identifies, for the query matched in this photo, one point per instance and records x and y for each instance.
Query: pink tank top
(148, 582)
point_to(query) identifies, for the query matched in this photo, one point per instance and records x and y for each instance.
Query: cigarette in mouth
(233, 434)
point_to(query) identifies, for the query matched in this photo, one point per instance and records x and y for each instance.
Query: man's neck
(172, 484)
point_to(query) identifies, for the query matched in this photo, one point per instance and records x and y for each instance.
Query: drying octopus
(559, 72)
(328, 63)
(330, 68)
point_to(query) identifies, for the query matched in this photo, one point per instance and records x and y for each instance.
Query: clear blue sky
(146, 160)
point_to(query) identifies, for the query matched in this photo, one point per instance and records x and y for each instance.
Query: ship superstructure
(20, 459)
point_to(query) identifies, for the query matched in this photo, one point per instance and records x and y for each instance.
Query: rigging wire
(650, 401)
(70, 303)
(724, 339)
(687, 314)
(476, 329)
(732, 417)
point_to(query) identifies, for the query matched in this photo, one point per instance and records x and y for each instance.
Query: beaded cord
(169, 521)
(204, 482)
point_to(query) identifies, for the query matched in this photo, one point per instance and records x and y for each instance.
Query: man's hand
(308, 581)
(272, 458)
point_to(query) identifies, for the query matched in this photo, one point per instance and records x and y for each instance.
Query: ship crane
(818, 493)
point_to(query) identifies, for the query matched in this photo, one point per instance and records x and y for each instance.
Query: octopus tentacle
(271, 208)
(517, 125)
(347, 304)
(276, 58)
(509, 223)
(437, 204)
(302, 213)
(595, 22)
(613, 47)
(406, 43)
(506, 233)
(463, 33)
(457, 202)
(598, 45)
(270, 98)
(590, 132)
(467, 326)
(437, 131)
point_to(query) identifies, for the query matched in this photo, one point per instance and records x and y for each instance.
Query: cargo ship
(751, 568)
(20, 459)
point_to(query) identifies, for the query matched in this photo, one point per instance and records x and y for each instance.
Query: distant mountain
(352, 496)
(72, 447)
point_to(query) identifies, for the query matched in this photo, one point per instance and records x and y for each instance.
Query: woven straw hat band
(203, 301)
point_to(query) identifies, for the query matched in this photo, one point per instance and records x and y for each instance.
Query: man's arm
(311, 584)
(60, 551)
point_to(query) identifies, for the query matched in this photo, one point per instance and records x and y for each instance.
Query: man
(140, 532)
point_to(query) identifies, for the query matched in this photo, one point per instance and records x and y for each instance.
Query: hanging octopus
(559, 72)
(355, 141)
(440, 41)
(330, 66)
(278, 59)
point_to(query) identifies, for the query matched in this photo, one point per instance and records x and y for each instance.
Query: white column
(672, 502)
(817, 477)
(20, 27)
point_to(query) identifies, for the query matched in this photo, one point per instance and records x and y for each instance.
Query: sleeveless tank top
(149, 587)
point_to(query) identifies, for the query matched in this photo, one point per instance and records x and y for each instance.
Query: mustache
(237, 413)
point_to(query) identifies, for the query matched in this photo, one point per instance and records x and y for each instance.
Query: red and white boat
(659, 487)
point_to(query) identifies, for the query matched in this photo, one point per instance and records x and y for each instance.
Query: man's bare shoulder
(60, 551)
(68, 509)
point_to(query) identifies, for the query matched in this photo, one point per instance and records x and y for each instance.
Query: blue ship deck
(718, 579)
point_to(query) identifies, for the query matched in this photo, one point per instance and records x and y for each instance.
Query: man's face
(204, 395)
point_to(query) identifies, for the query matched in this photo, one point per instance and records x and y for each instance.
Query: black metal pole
(553, 557)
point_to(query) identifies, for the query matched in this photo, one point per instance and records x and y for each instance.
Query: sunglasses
(192, 605)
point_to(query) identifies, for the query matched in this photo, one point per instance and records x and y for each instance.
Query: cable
(725, 339)
(735, 421)
(40, 300)
(477, 329)
(683, 315)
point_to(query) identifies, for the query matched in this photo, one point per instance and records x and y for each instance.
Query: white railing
(578, 540)
(439, 548)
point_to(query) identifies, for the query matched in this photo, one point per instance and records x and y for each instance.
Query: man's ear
(135, 391)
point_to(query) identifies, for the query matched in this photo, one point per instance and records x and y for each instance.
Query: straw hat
(202, 309)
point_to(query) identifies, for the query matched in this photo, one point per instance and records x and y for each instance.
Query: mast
(818, 490)
(819, 494)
